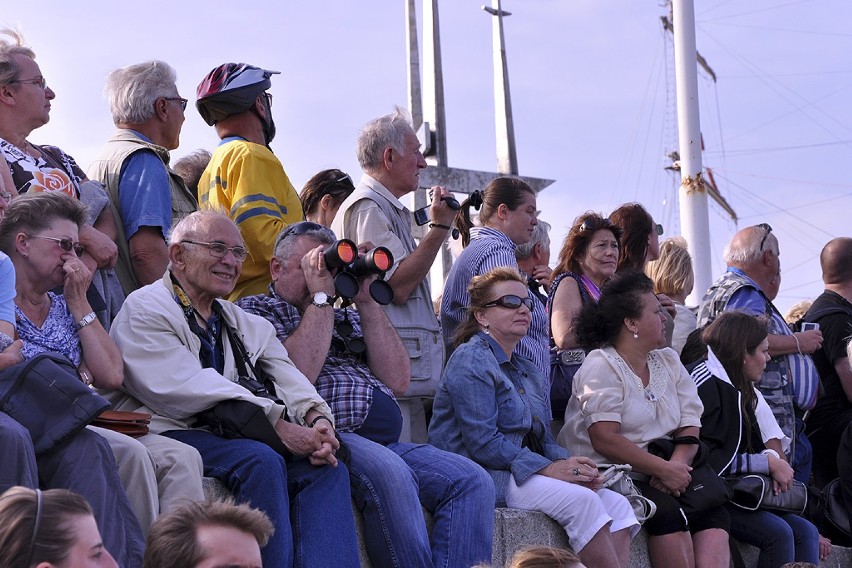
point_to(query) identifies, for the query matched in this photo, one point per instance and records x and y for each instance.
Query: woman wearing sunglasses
(40, 232)
(640, 243)
(490, 407)
(49, 529)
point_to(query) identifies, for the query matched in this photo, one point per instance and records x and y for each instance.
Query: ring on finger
(575, 471)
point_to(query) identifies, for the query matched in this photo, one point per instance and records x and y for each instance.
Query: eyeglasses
(220, 250)
(510, 301)
(65, 243)
(658, 229)
(36, 527)
(768, 229)
(268, 99)
(182, 101)
(40, 81)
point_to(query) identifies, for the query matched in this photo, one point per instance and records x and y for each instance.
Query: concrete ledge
(515, 529)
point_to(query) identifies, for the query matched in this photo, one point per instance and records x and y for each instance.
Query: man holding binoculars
(358, 364)
(389, 153)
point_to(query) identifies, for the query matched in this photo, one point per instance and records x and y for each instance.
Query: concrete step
(515, 529)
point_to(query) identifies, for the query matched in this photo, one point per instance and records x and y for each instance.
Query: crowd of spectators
(286, 344)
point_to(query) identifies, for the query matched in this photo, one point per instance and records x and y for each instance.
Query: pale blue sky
(592, 90)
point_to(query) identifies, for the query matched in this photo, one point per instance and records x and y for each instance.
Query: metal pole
(415, 101)
(433, 93)
(507, 159)
(692, 195)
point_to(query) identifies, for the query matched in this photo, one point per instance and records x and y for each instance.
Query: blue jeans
(392, 484)
(803, 458)
(309, 506)
(781, 539)
(83, 464)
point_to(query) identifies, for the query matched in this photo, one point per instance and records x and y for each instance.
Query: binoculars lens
(340, 253)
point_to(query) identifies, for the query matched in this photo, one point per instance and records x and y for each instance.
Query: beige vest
(107, 169)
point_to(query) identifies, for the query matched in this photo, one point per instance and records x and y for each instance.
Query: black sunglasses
(510, 301)
(65, 243)
(768, 229)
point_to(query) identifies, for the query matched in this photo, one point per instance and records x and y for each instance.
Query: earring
(485, 329)
(635, 335)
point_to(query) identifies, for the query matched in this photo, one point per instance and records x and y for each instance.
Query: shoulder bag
(753, 491)
(45, 395)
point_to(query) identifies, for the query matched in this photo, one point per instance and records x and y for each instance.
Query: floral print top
(53, 171)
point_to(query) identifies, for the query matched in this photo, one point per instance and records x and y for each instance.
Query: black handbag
(240, 418)
(45, 395)
(754, 491)
(706, 490)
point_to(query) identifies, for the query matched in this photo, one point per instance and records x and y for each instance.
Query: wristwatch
(321, 299)
(87, 319)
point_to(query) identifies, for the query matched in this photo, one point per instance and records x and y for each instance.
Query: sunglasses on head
(768, 229)
(594, 224)
(65, 243)
(510, 301)
(302, 227)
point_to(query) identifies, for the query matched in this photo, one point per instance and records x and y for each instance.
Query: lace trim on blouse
(659, 376)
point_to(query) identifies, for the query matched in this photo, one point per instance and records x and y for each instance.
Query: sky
(592, 86)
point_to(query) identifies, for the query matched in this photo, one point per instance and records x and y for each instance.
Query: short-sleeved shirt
(345, 381)
(143, 192)
(58, 333)
(836, 330)
(606, 390)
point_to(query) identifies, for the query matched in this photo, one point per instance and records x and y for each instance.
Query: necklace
(649, 393)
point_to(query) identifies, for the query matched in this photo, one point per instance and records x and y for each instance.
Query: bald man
(832, 310)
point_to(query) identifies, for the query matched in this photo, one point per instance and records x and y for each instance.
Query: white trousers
(581, 511)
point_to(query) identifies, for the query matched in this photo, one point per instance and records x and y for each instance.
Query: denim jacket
(485, 405)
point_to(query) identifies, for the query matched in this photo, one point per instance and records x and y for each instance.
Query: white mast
(692, 196)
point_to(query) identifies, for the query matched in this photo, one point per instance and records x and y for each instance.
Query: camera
(421, 216)
(343, 256)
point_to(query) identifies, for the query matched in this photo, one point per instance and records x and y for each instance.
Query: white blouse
(606, 389)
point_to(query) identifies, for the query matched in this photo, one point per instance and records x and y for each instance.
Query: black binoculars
(343, 256)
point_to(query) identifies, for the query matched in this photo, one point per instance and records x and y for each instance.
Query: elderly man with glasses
(359, 365)
(195, 361)
(147, 196)
(790, 382)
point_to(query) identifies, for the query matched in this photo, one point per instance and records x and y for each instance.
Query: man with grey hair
(188, 355)
(389, 153)
(790, 382)
(147, 195)
(534, 260)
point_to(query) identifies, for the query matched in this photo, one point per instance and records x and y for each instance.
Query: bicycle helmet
(233, 88)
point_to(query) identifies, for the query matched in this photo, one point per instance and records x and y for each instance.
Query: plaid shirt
(345, 381)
